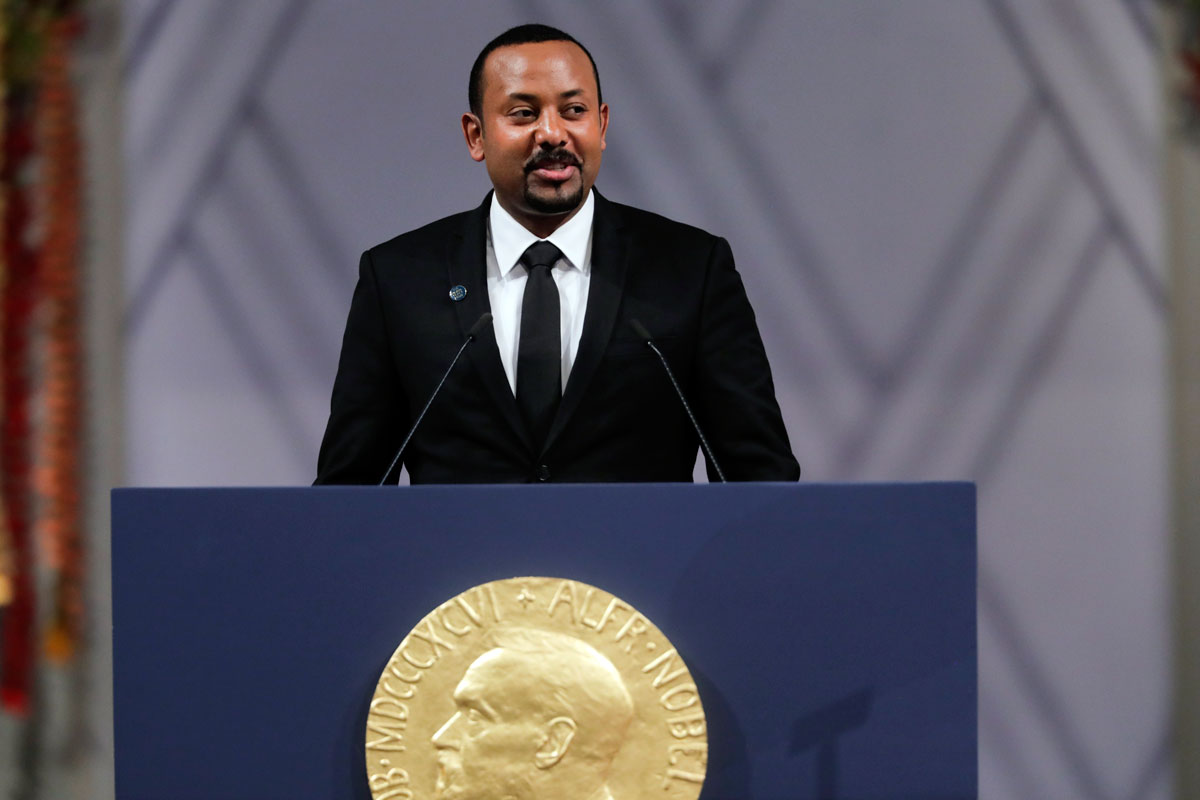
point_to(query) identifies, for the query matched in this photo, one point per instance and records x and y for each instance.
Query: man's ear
(559, 733)
(473, 131)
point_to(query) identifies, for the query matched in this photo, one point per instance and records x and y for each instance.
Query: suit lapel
(467, 262)
(610, 263)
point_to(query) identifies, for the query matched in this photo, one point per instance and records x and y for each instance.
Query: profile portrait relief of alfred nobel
(539, 715)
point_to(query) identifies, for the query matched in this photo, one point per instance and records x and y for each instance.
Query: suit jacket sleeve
(735, 393)
(368, 411)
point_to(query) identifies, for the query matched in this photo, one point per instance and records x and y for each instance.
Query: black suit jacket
(619, 419)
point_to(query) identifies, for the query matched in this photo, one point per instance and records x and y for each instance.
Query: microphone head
(640, 330)
(484, 320)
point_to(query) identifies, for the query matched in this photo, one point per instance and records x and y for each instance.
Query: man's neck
(541, 225)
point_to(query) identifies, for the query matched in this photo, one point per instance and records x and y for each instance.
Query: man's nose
(550, 131)
(443, 738)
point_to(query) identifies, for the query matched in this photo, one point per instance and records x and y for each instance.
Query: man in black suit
(560, 387)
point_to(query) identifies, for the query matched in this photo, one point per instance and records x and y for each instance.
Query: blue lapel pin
(458, 292)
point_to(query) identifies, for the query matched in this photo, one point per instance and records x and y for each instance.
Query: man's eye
(523, 113)
(473, 715)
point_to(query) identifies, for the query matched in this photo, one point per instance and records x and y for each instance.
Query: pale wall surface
(947, 213)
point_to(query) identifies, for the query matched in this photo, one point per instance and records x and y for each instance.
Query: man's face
(540, 131)
(486, 749)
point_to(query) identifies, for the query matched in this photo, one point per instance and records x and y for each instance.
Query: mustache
(559, 156)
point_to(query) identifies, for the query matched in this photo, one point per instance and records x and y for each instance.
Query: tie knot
(540, 254)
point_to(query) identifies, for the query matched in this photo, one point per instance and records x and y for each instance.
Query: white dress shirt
(507, 240)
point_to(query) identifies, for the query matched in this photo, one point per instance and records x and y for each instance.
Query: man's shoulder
(639, 220)
(429, 239)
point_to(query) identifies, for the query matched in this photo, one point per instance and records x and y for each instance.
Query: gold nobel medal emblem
(532, 688)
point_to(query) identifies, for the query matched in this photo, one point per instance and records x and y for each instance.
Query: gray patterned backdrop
(947, 213)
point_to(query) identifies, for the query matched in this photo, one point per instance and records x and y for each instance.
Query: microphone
(484, 320)
(644, 335)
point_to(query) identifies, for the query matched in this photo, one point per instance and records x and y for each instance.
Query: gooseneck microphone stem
(641, 331)
(481, 323)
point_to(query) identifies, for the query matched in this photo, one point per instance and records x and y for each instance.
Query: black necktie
(539, 358)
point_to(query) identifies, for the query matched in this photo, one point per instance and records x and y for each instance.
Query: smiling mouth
(555, 167)
(556, 173)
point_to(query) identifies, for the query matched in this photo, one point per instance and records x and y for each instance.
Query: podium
(830, 628)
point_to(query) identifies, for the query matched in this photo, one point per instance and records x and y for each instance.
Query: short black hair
(522, 34)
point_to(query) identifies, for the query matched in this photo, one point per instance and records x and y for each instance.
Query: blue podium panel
(830, 628)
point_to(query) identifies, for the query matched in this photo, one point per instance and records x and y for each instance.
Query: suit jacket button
(543, 472)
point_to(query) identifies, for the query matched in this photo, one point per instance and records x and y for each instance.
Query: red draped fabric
(41, 357)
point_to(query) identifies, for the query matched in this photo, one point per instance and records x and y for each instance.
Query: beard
(554, 199)
(560, 200)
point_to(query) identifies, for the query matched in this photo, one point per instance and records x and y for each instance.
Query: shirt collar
(510, 238)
